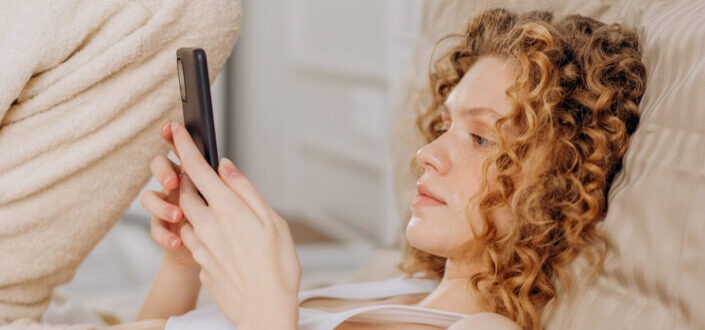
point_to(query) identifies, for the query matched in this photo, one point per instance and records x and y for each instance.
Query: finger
(165, 132)
(154, 203)
(162, 236)
(191, 203)
(244, 189)
(193, 163)
(211, 257)
(199, 252)
(165, 171)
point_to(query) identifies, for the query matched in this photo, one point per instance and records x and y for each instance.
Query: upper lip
(424, 191)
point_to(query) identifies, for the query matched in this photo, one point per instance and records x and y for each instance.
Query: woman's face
(452, 163)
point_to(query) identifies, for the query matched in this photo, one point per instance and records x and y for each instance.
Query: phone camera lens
(182, 87)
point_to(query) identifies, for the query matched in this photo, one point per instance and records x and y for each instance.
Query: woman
(526, 129)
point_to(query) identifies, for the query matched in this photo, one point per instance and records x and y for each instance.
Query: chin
(428, 237)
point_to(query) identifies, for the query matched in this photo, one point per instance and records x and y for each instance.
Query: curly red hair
(575, 99)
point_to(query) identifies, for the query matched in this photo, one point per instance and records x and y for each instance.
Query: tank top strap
(372, 290)
(379, 313)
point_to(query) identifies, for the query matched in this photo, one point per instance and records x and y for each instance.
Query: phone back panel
(196, 101)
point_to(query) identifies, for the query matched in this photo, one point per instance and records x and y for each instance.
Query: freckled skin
(453, 162)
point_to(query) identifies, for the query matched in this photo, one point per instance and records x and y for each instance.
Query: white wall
(311, 90)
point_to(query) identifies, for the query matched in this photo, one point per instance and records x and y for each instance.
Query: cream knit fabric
(83, 87)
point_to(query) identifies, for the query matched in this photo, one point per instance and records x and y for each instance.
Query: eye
(481, 141)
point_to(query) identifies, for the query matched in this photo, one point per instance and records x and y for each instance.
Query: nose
(433, 156)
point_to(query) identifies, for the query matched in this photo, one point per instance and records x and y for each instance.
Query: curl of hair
(574, 102)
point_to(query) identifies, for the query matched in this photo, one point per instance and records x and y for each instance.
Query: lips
(424, 191)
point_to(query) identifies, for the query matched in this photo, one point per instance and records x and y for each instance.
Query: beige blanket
(83, 87)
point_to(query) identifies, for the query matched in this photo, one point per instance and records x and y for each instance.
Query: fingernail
(229, 168)
(165, 126)
(167, 178)
(172, 241)
(175, 127)
(174, 215)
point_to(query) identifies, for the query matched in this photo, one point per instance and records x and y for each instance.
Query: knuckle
(147, 200)
(158, 164)
(281, 224)
(154, 164)
(168, 213)
(222, 208)
(151, 204)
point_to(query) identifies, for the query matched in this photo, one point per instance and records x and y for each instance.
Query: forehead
(483, 86)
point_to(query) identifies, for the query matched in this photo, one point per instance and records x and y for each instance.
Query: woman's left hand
(247, 256)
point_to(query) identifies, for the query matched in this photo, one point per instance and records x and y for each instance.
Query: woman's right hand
(167, 217)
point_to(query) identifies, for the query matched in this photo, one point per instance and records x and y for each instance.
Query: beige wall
(312, 84)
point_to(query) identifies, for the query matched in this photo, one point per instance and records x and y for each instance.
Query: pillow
(655, 270)
(654, 276)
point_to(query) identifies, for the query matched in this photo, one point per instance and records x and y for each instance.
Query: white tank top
(210, 317)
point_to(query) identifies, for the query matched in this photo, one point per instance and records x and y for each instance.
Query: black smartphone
(196, 101)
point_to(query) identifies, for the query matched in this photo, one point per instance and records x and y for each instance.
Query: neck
(454, 292)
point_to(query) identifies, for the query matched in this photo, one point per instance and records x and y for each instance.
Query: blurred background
(303, 107)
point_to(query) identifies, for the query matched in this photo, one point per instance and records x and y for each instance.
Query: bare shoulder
(485, 321)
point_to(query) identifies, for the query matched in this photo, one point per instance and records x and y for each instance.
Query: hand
(245, 250)
(167, 216)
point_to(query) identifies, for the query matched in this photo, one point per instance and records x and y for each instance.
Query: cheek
(442, 231)
(464, 183)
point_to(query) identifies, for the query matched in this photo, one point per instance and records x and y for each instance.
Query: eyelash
(480, 138)
(476, 138)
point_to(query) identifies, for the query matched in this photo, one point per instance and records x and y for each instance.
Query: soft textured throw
(83, 87)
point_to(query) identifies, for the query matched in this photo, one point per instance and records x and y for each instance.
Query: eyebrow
(465, 112)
